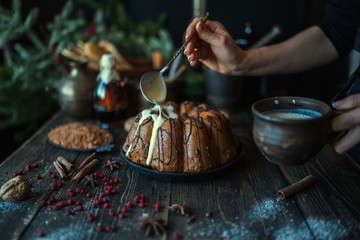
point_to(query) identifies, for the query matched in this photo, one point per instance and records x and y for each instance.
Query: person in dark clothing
(336, 35)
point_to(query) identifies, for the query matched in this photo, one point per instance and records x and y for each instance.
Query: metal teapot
(75, 91)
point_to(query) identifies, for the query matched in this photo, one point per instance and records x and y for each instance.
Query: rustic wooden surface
(243, 202)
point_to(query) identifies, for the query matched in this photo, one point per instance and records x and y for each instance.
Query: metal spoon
(152, 84)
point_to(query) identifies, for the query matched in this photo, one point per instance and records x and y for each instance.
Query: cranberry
(69, 190)
(88, 195)
(93, 205)
(108, 229)
(141, 205)
(80, 208)
(137, 199)
(77, 190)
(55, 207)
(102, 195)
(15, 174)
(97, 201)
(71, 194)
(109, 187)
(28, 167)
(90, 217)
(35, 165)
(38, 176)
(104, 200)
(59, 184)
(82, 191)
(106, 205)
(43, 203)
(107, 191)
(49, 202)
(62, 204)
(106, 183)
(157, 205)
(98, 228)
(53, 188)
(101, 176)
(69, 212)
(116, 180)
(124, 210)
(176, 236)
(53, 199)
(111, 213)
(70, 202)
(41, 234)
(121, 216)
(111, 182)
(53, 175)
(129, 204)
(113, 191)
(96, 174)
(50, 172)
(78, 203)
(20, 172)
(104, 179)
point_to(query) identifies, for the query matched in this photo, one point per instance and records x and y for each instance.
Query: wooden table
(243, 203)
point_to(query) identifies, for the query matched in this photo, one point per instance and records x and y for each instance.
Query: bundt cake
(187, 138)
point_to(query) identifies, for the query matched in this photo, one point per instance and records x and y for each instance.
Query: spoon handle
(182, 47)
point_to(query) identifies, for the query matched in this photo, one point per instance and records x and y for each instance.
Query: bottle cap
(107, 61)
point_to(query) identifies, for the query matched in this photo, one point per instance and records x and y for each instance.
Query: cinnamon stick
(83, 164)
(69, 166)
(60, 170)
(85, 170)
(296, 187)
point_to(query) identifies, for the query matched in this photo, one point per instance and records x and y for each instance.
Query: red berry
(111, 213)
(129, 204)
(124, 210)
(108, 229)
(101, 176)
(55, 207)
(53, 199)
(69, 190)
(59, 198)
(141, 205)
(90, 217)
(15, 174)
(111, 182)
(41, 234)
(43, 203)
(96, 174)
(104, 200)
(69, 212)
(53, 188)
(109, 187)
(28, 167)
(71, 194)
(88, 195)
(70, 202)
(38, 176)
(106, 183)
(102, 195)
(122, 216)
(105, 179)
(20, 172)
(35, 165)
(98, 228)
(59, 184)
(97, 201)
(116, 180)
(82, 191)
(78, 203)
(80, 208)
(77, 190)
(107, 191)
(157, 205)
(93, 205)
(49, 202)
(62, 204)
(137, 198)
(53, 175)
(176, 236)
(113, 191)
(50, 172)
(106, 205)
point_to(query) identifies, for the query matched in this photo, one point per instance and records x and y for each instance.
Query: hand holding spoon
(152, 84)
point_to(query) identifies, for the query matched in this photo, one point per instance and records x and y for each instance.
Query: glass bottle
(110, 95)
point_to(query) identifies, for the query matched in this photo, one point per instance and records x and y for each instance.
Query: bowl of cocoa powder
(81, 136)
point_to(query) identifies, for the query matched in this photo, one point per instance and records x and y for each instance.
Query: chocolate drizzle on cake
(185, 138)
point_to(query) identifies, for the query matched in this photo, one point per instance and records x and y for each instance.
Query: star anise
(112, 164)
(153, 225)
(90, 179)
(183, 210)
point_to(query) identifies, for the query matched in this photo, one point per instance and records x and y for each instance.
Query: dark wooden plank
(243, 202)
(332, 206)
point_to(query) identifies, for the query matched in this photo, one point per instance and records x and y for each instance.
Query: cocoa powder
(79, 136)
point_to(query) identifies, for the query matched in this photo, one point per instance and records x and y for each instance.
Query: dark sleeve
(340, 23)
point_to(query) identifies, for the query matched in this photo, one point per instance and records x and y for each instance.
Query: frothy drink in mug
(294, 113)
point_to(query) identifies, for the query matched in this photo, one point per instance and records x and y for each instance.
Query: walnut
(15, 189)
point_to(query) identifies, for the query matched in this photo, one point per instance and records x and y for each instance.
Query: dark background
(292, 16)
